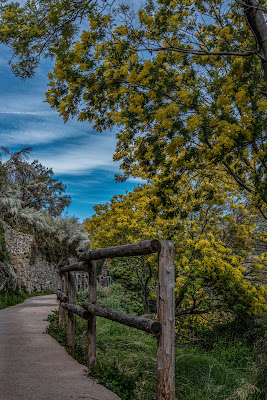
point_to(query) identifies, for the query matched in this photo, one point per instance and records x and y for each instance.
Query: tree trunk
(146, 303)
(257, 24)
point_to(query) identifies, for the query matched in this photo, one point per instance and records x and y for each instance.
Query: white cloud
(40, 130)
(39, 113)
(136, 180)
(83, 183)
(91, 153)
(33, 137)
(21, 102)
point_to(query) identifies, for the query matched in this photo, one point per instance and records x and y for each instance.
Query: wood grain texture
(166, 316)
(63, 287)
(78, 266)
(92, 319)
(71, 316)
(62, 296)
(137, 249)
(141, 323)
(77, 310)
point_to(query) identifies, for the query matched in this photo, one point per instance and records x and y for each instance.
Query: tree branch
(204, 52)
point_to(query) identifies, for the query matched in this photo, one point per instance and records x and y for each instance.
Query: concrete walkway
(33, 366)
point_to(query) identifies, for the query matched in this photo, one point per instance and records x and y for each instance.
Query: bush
(8, 299)
(113, 378)
(115, 298)
(4, 256)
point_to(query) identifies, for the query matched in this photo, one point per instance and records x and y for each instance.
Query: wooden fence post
(92, 281)
(166, 316)
(71, 285)
(63, 288)
(62, 311)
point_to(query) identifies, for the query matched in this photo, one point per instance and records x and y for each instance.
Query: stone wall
(39, 275)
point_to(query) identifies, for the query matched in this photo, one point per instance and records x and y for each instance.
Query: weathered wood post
(63, 288)
(71, 286)
(166, 316)
(62, 311)
(92, 281)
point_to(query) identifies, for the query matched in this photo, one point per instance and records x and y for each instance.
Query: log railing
(163, 328)
(82, 281)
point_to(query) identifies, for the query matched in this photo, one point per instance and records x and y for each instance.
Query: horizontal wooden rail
(163, 328)
(77, 310)
(79, 266)
(137, 249)
(144, 324)
(62, 297)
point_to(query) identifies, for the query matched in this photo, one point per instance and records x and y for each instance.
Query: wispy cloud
(16, 103)
(31, 137)
(89, 153)
(81, 158)
(37, 128)
(39, 113)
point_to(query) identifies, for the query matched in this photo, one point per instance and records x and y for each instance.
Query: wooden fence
(81, 280)
(163, 328)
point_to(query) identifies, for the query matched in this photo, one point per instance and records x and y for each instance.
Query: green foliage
(236, 355)
(55, 237)
(260, 380)
(211, 236)
(113, 378)
(31, 201)
(54, 27)
(40, 189)
(4, 256)
(115, 297)
(238, 342)
(183, 83)
(8, 299)
(35, 185)
(126, 363)
(55, 330)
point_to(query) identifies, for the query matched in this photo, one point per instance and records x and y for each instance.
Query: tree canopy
(36, 185)
(32, 200)
(184, 82)
(212, 237)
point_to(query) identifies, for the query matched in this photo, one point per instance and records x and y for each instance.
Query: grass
(8, 299)
(126, 364)
(126, 360)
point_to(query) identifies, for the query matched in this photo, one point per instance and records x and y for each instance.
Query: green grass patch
(8, 299)
(126, 363)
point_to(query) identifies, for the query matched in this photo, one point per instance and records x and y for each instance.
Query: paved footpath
(33, 366)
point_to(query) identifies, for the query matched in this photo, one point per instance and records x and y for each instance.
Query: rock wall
(39, 275)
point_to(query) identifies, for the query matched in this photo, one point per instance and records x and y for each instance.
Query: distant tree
(56, 237)
(7, 167)
(37, 185)
(32, 199)
(10, 202)
(41, 190)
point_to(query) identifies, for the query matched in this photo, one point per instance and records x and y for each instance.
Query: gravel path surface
(33, 366)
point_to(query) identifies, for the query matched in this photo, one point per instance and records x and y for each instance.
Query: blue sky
(80, 157)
